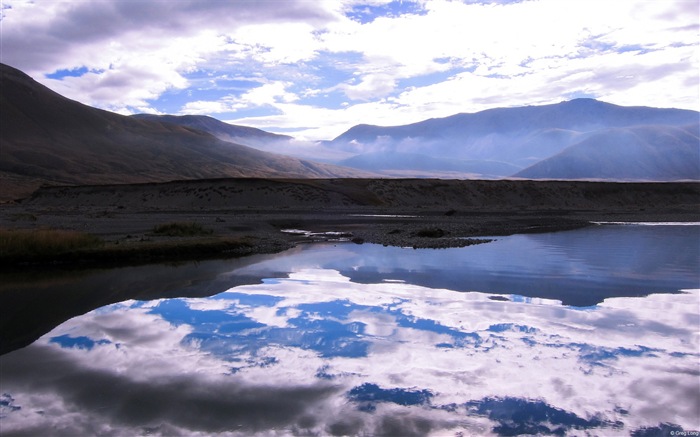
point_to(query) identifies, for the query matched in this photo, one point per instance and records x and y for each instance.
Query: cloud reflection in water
(316, 353)
(580, 268)
(371, 340)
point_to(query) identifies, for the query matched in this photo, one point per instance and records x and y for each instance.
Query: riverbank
(240, 217)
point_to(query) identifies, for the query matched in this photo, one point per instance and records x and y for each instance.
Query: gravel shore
(247, 216)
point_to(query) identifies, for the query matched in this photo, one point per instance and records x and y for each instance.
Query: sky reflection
(580, 268)
(318, 353)
(315, 351)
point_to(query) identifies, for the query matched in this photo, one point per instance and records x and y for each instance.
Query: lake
(594, 331)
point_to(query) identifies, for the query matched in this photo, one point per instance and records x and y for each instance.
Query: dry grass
(43, 242)
(27, 248)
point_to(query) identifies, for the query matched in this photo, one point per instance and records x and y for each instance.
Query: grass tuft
(181, 229)
(43, 242)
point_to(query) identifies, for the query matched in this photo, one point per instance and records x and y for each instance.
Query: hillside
(248, 136)
(645, 152)
(520, 137)
(47, 138)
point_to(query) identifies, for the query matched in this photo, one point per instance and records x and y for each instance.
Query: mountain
(252, 137)
(47, 138)
(521, 136)
(248, 136)
(659, 153)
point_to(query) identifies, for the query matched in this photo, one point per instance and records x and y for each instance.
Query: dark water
(582, 332)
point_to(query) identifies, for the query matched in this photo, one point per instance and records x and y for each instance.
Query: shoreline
(420, 232)
(247, 216)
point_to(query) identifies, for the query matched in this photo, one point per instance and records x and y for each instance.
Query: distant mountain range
(577, 139)
(47, 138)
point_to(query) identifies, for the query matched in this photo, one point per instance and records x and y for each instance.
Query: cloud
(370, 86)
(66, 27)
(376, 62)
(178, 401)
(269, 94)
(438, 361)
(539, 60)
(138, 50)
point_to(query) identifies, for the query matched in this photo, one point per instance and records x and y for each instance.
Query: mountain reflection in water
(319, 353)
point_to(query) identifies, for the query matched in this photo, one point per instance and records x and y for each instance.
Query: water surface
(583, 332)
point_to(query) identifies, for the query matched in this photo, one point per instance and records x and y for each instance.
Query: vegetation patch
(26, 243)
(19, 251)
(181, 229)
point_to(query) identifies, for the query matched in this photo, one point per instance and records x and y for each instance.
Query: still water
(587, 332)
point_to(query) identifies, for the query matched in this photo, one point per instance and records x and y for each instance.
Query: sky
(314, 68)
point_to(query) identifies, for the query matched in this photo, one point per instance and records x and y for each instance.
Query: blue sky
(314, 68)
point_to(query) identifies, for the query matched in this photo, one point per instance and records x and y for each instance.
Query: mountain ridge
(579, 113)
(662, 153)
(519, 136)
(245, 135)
(48, 138)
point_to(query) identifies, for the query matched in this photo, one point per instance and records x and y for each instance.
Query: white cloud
(271, 94)
(396, 68)
(139, 50)
(304, 118)
(370, 86)
(276, 43)
(151, 371)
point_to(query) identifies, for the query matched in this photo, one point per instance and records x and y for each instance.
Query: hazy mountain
(46, 137)
(253, 137)
(245, 135)
(519, 136)
(633, 153)
(413, 164)
(580, 115)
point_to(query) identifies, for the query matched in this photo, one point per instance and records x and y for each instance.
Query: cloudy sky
(314, 68)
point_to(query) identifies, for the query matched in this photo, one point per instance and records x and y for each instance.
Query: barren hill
(246, 135)
(47, 138)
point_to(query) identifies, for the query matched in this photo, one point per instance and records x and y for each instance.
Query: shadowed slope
(249, 136)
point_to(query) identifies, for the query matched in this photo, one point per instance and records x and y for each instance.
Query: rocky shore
(245, 216)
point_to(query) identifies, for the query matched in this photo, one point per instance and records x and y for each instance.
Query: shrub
(43, 242)
(181, 229)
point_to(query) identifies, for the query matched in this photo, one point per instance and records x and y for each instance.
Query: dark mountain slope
(661, 153)
(46, 137)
